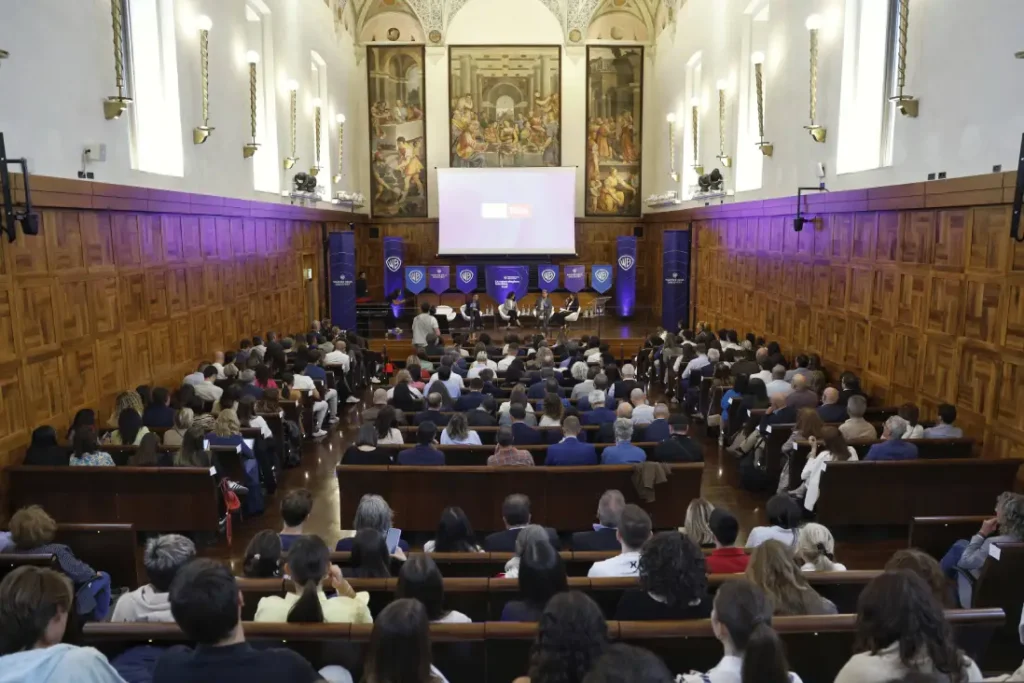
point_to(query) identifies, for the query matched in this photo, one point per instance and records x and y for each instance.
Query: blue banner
(465, 279)
(625, 276)
(394, 259)
(342, 251)
(504, 279)
(675, 273)
(600, 278)
(547, 277)
(415, 279)
(575, 277)
(439, 278)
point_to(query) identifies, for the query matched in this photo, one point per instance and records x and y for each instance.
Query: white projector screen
(506, 211)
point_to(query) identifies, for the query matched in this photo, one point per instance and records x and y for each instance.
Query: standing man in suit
(603, 537)
(570, 450)
(515, 512)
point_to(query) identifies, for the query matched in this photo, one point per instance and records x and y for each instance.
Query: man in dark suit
(831, 410)
(600, 384)
(515, 512)
(598, 413)
(658, 430)
(423, 453)
(570, 450)
(746, 365)
(472, 398)
(679, 447)
(609, 510)
(547, 385)
(778, 413)
(483, 416)
(432, 413)
(606, 432)
(625, 386)
(522, 433)
(434, 345)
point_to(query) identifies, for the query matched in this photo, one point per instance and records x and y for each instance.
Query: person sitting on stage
(544, 309)
(572, 305)
(473, 312)
(394, 304)
(509, 308)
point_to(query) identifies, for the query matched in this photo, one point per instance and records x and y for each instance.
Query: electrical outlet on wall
(94, 152)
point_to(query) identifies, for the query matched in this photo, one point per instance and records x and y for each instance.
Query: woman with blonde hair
(816, 548)
(697, 524)
(774, 570)
(182, 421)
(124, 400)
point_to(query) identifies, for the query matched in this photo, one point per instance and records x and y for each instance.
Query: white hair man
(623, 452)
(643, 412)
(894, 446)
(163, 557)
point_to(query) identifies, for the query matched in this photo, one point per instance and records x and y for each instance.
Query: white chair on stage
(504, 315)
(572, 317)
(447, 312)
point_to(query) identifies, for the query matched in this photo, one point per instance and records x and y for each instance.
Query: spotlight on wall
(817, 131)
(907, 105)
(671, 118)
(766, 148)
(116, 105)
(341, 146)
(203, 25)
(250, 148)
(293, 92)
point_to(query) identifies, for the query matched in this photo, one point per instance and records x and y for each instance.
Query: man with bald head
(778, 413)
(606, 432)
(779, 385)
(643, 412)
(802, 397)
(831, 410)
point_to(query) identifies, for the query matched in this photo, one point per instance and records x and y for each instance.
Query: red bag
(232, 503)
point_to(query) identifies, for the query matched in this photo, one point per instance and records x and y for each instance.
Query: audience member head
(623, 428)
(454, 532)
(373, 512)
(370, 557)
(43, 438)
(504, 437)
(830, 396)
(517, 411)
(541, 572)
(296, 506)
(628, 371)
(83, 418)
(799, 382)
(1010, 514)
(145, 454)
(724, 527)
(809, 423)
(420, 579)
(553, 407)
(193, 452)
(815, 546)
(779, 372)
(678, 423)
(757, 389)
(856, 406)
(206, 603)
(926, 567)
(609, 508)
(697, 522)
(34, 607)
(741, 620)
(164, 556)
(515, 510)
(773, 568)
(308, 564)
(160, 397)
(634, 528)
(227, 423)
(910, 413)
(400, 650)
(571, 426)
(31, 527)
(895, 428)
(85, 442)
(623, 663)
(426, 432)
(385, 422)
(596, 397)
(571, 635)
(263, 556)
(834, 443)
(458, 427)
(783, 512)
(947, 413)
(624, 410)
(672, 568)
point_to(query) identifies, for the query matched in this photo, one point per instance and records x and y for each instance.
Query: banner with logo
(439, 278)
(625, 276)
(465, 279)
(675, 273)
(415, 279)
(504, 279)
(394, 259)
(341, 247)
(574, 277)
(547, 277)
(600, 278)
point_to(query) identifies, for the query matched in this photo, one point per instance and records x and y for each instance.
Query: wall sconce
(695, 122)
(316, 137)
(341, 146)
(250, 148)
(204, 24)
(4, 54)
(116, 105)
(722, 156)
(905, 103)
(817, 131)
(671, 118)
(766, 148)
(293, 92)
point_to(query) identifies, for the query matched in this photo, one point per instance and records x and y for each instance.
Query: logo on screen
(466, 276)
(626, 262)
(675, 274)
(601, 275)
(416, 276)
(547, 275)
(394, 263)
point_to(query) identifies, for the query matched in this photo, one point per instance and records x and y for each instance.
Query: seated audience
(659, 428)
(801, 396)
(633, 531)
(553, 411)
(529, 534)
(522, 432)
(598, 413)
(778, 386)
(263, 556)
(386, 425)
(643, 412)
(911, 413)
(85, 450)
(625, 386)
(856, 427)
(454, 534)
(726, 558)
(423, 453)
(944, 428)
(163, 557)
(606, 430)
(678, 447)
(815, 549)
(834, 449)
(308, 565)
(697, 525)
(248, 417)
(850, 387)
(483, 414)
(570, 450)
(605, 533)
(623, 452)
(927, 567)
(44, 451)
(124, 401)
(742, 622)
(433, 411)
(471, 399)
(458, 433)
(380, 399)
(295, 509)
(206, 390)
(901, 630)
(673, 582)
(420, 579)
(33, 532)
(801, 368)
(506, 454)
(400, 649)
(968, 557)
(831, 410)
(774, 570)
(894, 446)
(159, 412)
(365, 451)
(207, 606)
(515, 512)
(784, 517)
(623, 663)
(541, 576)
(146, 454)
(83, 418)
(182, 421)
(34, 608)
(571, 636)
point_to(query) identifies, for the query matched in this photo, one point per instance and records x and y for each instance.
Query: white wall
(960, 65)
(61, 69)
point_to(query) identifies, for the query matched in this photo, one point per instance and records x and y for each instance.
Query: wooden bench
(151, 499)
(104, 547)
(561, 497)
(469, 456)
(11, 561)
(496, 652)
(894, 493)
(935, 535)
(999, 586)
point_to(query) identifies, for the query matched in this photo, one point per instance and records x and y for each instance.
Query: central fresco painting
(505, 106)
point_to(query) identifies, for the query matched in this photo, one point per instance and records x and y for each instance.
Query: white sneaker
(351, 399)
(374, 380)
(320, 434)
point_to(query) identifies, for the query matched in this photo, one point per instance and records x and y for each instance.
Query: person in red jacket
(726, 558)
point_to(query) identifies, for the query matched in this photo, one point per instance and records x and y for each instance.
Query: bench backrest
(999, 586)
